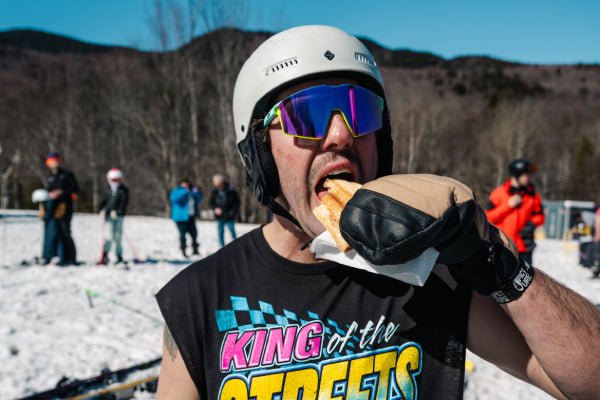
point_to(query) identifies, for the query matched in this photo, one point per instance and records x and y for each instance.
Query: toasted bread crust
(329, 212)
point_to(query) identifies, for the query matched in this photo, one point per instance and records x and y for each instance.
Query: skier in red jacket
(516, 208)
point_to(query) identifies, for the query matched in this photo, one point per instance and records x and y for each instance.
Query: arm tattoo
(170, 343)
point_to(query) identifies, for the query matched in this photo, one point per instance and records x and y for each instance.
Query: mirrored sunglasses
(306, 114)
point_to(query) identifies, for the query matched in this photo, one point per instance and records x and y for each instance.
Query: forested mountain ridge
(162, 115)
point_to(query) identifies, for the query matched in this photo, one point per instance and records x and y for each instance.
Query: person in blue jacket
(184, 211)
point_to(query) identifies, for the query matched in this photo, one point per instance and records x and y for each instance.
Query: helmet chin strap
(279, 210)
(265, 183)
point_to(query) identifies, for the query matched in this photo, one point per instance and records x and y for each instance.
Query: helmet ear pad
(261, 171)
(268, 166)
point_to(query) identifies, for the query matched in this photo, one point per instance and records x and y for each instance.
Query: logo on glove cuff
(523, 278)
(519, 284)
(500, 297)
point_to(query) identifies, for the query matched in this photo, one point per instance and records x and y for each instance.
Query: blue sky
(531, 31)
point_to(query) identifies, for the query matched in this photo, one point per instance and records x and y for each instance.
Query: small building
(562, 216)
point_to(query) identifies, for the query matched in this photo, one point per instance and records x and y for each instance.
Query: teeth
(339, 171)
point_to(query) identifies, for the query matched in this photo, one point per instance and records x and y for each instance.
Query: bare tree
(228, 52)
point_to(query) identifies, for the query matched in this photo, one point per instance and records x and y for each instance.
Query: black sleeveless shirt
(252, 324)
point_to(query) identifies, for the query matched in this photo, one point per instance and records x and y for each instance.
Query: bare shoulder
(174, 381)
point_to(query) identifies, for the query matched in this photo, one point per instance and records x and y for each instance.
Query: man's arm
(174, 381)
(179, 196)
(212, 202)
(73, 185)
(122, 207)
(550, 337)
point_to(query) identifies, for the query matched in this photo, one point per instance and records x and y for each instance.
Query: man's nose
(338, 134)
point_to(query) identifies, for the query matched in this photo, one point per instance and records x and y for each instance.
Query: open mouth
(341, 173)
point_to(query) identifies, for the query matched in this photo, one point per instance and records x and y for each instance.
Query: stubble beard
(311, 226)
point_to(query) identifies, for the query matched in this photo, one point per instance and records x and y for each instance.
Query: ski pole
(91, 293)
(102, 245)
(137, 259)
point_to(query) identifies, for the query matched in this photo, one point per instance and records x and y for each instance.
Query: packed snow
(52, 328)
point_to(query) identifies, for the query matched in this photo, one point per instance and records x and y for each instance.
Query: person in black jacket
(225, 203)
(113, 209)
(62, 190)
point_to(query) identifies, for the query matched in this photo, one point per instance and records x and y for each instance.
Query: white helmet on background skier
(40, 196)
(114, 175)
(299, 54)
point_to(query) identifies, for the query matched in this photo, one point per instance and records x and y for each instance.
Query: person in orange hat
(62, 190)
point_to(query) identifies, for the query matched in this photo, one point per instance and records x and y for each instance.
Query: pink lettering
(280, 346)
(264, 347)
(257, 348)
(309, 340)
(233, 350)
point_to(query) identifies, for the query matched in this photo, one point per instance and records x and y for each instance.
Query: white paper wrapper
(414, 272)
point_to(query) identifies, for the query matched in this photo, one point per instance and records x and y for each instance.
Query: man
(184, 211)
(224, 202)
(113, 209)
(62, 190)
(263, 318)
(516, 208)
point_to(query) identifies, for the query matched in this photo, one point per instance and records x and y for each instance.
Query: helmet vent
(281, 66)
(365, 59)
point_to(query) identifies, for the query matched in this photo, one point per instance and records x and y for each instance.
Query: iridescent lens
(307, 113)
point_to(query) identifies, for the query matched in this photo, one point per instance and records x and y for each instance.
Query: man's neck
(287, 240)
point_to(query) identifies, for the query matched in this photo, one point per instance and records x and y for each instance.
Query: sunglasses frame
(275, 111)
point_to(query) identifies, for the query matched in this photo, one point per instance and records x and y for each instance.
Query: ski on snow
(120, 392)
(71, 388)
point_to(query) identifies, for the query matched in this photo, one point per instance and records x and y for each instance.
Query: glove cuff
(494, 268)
(517, 284)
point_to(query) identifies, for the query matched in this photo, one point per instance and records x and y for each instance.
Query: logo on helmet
(329, 55)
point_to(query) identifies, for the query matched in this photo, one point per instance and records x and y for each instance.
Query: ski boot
(119, 259)
(104, 260)
(182, 247)
(195, 247)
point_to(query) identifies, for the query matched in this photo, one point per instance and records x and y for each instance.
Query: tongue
(319, 189)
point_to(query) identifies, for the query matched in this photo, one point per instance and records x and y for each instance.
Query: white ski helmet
(114, 174)
(286, 59)
(40, 196)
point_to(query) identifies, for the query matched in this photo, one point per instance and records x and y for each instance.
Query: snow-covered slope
(51, 328)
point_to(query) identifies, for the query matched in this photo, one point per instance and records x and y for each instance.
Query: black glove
(395, 218)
